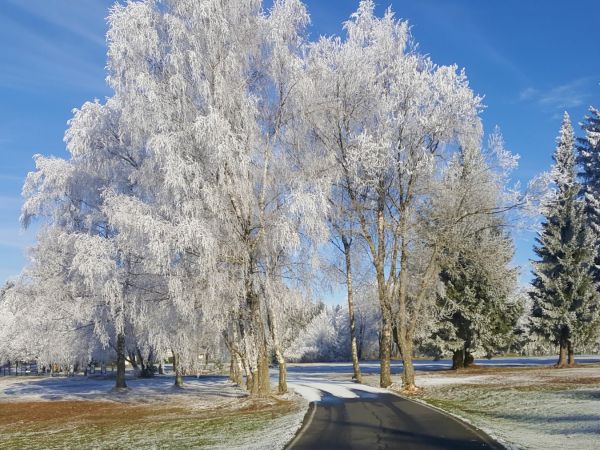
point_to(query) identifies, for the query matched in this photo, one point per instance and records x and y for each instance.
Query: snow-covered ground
(203, 391)
(530, 409)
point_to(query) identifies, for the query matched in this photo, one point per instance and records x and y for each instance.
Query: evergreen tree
(589, 159)
(478, 306)
(564, 292)
(480, 294)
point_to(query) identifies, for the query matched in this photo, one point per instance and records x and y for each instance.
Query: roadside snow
(441, 380)
(315, 389)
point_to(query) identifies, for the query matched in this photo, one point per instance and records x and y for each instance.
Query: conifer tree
(588, 149)
(478, 307)
(484, 310)
(564, 293)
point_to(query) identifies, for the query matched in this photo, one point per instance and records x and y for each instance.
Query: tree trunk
(562, 354)
(570, 354)
(238, 365)
(271, 323)
(235, 370)
(177, 370)
(282, 385)
(404, 339)
(408, 372)
(469, 360)
(357, 377)
(133, 360)
(120, 382)
(161, 371)
(359, 342)
(260, 384)
(385, 350)
(140, 358)
(249, 381)
(458, 359)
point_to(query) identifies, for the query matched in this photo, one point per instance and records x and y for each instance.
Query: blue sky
(530, 59)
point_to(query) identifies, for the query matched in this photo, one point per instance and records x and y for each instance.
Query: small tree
(564, 294)
(477, 305)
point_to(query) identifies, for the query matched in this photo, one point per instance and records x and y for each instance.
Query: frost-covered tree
(565, 294)
(478, 308)
(481, 308)
(325, 338)
(69, 196)
(43, 318)
(588, 148)
(194, 193)
(190, 210)
(385, 127)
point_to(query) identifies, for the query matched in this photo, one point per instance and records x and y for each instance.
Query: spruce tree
(588, 148)
(478, 309)
(564, 292)
(480, 292)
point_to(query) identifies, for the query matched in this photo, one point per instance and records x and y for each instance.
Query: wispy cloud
(10, 200)
(565, 96)
(16, 238)
(10, 177)
(72, 17)
(57, 44)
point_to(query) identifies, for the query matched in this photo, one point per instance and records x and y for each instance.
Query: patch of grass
(115, 425)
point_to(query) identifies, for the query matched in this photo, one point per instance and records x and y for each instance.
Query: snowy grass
(534, 408)
(82, 412)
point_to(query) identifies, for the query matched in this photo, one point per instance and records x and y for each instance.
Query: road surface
(383, 421)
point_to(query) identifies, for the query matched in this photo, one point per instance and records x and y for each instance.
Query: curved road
(383, 421)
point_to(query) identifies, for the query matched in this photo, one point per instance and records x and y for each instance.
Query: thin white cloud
(10, 200)
(565, 96)
(60, 61)
(9, 177)
(71, 16)
(16, 238)
(528, 94)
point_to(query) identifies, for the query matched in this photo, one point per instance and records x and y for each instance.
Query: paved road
(383, 421)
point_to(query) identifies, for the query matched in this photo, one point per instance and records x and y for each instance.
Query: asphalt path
(384, 421)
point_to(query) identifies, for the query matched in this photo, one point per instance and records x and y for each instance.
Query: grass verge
(116, 425)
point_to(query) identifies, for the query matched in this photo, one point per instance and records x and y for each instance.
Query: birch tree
(232, 189)
(69, 196)
(386, 126)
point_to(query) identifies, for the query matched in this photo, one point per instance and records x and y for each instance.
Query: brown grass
(36, 415)
(112, 424)
(39, 412)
